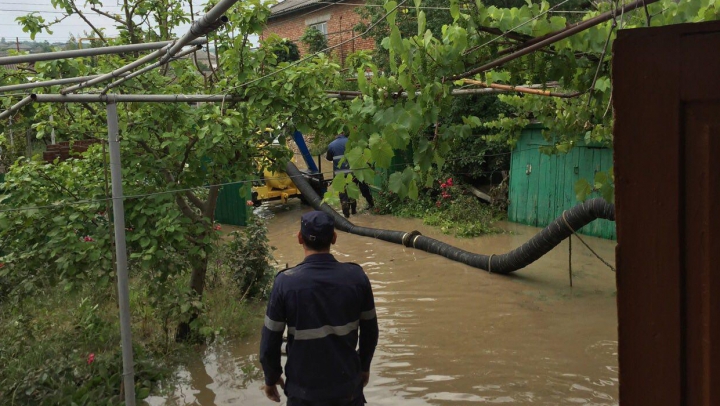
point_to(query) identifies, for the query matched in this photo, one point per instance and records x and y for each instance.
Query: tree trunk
(197, 284)
(197, 278)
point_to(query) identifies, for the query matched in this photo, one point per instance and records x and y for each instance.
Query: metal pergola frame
(166, 52)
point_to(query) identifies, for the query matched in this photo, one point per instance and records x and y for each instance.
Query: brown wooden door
(667, 167)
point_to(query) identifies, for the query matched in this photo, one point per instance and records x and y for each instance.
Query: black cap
(317, 226)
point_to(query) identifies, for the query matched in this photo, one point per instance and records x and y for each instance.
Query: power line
(34, 11)
(380, 5)
(3, 3)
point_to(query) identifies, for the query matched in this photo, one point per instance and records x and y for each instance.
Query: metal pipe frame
(47, 83)
(555, 37)
(149, 68)
(200, 98)
(80, 53)
(15, 107)
(203, 25)
(351, 94)
(140, 98)
(121, 254)
(212, 20)
(117, 72)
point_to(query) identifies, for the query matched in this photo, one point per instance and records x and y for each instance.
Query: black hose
(531, 251)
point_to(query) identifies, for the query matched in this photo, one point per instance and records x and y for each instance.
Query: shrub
(314, 39)
(250, 259)
(445, 206)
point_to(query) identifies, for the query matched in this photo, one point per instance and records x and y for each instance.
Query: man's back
(336, 153)
(323, 302)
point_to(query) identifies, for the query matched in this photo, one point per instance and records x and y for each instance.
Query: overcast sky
(11, 9)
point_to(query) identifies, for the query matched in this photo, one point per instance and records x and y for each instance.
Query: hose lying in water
(531, 251)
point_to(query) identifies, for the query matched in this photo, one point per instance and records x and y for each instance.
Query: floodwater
(451, 334)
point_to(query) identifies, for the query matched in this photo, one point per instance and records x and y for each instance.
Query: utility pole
(17, 43)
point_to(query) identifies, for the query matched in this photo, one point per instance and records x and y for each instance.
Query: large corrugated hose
(539, 245)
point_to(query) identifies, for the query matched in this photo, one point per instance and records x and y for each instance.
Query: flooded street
(451, 334)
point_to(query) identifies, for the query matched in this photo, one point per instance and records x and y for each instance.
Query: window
(322, 27)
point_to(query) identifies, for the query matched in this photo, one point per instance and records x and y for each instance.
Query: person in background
(336, 153)
(327, 307)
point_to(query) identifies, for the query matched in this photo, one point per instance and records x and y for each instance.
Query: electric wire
(183, 190)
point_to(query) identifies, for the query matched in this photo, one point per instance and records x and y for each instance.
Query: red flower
(87, 238)
(91, 358)
(443, 185)
(449, 182)
(217, 227)
(249, 203)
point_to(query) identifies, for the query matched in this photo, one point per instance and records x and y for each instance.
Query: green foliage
(170, 154)
(284, 49)
(68, 354)
(69, 245)
(604, 184)
(444, 205)
(249, 257)
(422, 58)
(315, 40)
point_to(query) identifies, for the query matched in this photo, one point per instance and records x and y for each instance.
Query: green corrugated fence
(542, 186)
(232, 205)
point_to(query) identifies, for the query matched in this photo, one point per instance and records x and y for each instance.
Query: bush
(250, 259)
(314, 39)
(52, 356)
(445, 206)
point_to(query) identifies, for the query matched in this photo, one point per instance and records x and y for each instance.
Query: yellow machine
(279, 186)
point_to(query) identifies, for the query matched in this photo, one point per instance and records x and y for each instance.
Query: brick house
(290, 19)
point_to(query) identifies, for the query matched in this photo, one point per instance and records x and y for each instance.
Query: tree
(467, 154)
(315, 40)
(176, 155)
(434, 64)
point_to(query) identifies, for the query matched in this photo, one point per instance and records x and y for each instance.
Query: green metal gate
(542, 186)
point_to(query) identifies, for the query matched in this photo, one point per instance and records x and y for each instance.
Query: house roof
(291, 6)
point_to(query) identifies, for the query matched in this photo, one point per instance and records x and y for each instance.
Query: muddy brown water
(451, 334)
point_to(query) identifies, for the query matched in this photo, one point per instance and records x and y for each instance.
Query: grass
(458, 214)
(62, 347)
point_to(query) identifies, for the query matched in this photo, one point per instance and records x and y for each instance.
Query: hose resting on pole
(531, 251)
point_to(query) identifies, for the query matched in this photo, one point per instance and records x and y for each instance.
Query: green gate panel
(543, 186)
(398, 162)
(232, 207)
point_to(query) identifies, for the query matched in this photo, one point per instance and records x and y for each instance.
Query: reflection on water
(451, 334)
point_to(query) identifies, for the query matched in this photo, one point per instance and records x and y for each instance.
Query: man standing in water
(323, 303)
(336, 153)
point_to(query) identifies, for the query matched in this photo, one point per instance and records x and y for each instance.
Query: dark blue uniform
(323, 303)
(336, 154)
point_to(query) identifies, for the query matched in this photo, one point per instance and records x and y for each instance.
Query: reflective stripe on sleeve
(272, 325)
(368, 315)
(324, 331)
